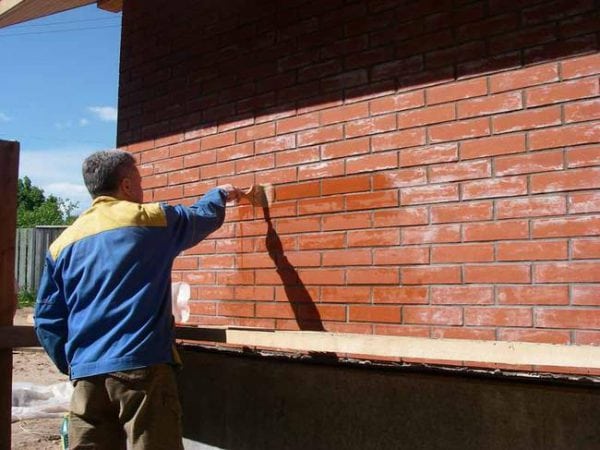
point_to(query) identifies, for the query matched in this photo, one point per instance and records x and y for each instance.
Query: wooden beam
(18, 336)
(373, 346)
(111, 5)
(9, 173)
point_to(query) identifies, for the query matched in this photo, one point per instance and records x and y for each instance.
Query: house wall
(435, 163)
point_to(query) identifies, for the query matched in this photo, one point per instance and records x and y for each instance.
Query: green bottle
(64, 432)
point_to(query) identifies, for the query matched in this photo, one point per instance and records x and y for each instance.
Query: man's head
(112, 173)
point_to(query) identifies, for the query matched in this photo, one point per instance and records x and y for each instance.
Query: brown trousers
(136, 409)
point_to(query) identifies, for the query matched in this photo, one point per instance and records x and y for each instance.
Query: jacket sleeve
(51, 316)
(190, 225)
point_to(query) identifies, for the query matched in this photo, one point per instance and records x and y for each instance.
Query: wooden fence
(31, 247)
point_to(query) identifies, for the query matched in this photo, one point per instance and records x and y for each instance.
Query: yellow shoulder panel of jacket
(108, 213)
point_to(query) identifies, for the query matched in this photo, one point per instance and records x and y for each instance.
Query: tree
(34, 208)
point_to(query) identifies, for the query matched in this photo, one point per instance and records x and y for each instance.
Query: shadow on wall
(192, 66)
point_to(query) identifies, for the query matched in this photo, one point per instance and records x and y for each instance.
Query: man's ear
(125, 187)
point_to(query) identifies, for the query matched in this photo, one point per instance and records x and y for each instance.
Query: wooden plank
(22, 258)
(18, 336)
(9, 169)
(111, 5)
(30, 259)
(460, 350)
(41, 239)
(18, 11)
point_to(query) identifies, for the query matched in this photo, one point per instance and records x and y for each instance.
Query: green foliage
(34, 208)
(26, 298)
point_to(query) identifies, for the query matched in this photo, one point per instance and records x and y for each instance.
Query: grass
(26, 299)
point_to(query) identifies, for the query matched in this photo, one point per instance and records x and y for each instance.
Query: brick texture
(436, 164)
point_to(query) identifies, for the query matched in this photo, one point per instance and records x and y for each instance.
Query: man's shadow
(306, 313)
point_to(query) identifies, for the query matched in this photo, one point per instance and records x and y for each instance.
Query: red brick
(582, 66)
(495, 231)
(354, 294)
(154, 154)
(429, 194)
(344, 149)
(347, 184)
(529, 163)
(457, 171)
(492, 104)
(400, 295)
(531, 251)
(567, 272)
(435, 315)
(184, 176)
(430, 233)
(492, 146)
(293, 191)
(214, 293)
(462, 295)
(457, 91)
(566, 227)
(400, 217)
(582, 111)
(500, 187)
(531, 207)
(200, 159)
(533, 295)
(462, 253)
(218, 140)
(472, 333)
(372, 125)
(389, 314)
(585, 248)
(373, 238)
(462, 212)
(152, 181)
(371, 200)
(217, 170)
(235, 151)
(543, 336)
(344, 113)
(184, 148)
(561, 92)
(185, 263)
(497, 273)
(586, 295)
(347, 221)
(530, 76)
(321, 241)
(372, 275)
(321, 205)
(586, 155)
(568, 318)
(398, 139)
(507, 317)
(372, 163)
(399, 178)
(587, 337)
(234, 278)
(253, 261)
(322, 276)
(235, 309)
(275, 176)
(275, 310)
(429, 155)
(206, 246)
(168, 193)
(137, 147)
(584, 133)
(321, 170)
(426, 116)
(398, 102)
(285, 142)
(527, 120)
(298, 225)
(584, 203)
(320, 135)
(197, 277)
(168, 165)
(430, 275)
(203, 308)
(297, 157)
(297, 123)
(401, 330)
(462, 129)
(255, 132)
(401, 256)
(352, 257)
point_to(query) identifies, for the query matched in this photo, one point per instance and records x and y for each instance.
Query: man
(103, 310)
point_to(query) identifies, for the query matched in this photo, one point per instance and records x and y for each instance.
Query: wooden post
(9, 173)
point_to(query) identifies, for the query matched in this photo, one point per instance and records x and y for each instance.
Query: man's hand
(233, 194)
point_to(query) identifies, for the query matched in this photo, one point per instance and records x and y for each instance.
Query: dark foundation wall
(238, 402)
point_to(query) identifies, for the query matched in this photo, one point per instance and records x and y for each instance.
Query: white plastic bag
(34, 401)
(180, 294)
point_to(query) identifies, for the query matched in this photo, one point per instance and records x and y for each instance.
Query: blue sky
(58, 94)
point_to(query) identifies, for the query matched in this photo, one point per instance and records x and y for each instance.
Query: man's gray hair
(104, 170)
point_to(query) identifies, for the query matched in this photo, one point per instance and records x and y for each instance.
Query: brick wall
(436, 163)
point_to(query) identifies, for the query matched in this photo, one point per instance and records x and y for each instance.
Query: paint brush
(259, 194)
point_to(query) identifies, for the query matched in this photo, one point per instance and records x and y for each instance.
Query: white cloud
(104, 113)
(83, 122)
(4, 117)
(58, 172)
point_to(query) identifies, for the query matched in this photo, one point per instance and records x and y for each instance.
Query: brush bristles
(260, 195)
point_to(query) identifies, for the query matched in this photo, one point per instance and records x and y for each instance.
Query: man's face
(131, 185)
